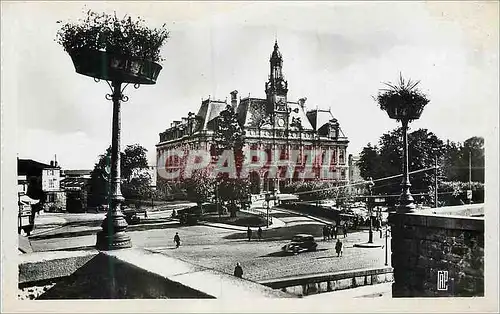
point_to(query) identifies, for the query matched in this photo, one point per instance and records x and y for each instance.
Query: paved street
(216, 248)
(220, 248)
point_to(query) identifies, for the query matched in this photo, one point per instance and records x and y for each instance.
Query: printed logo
(442, 280)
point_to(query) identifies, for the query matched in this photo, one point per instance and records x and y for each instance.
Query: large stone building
(270, 124)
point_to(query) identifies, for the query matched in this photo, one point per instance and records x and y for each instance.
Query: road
(221, 249)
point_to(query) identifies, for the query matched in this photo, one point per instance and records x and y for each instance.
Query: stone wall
(424, 245)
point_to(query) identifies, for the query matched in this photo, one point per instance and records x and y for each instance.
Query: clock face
(280, 104)
(281, 122)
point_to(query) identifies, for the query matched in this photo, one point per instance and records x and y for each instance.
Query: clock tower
(276, 91)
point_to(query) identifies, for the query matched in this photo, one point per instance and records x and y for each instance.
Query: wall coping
(47, 266)
(333, 276)
(208, 281)
(444, 221)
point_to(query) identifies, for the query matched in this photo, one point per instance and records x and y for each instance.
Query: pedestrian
(177, 240)
(325, 232)
(345, 230)
(338, 248)
(238, 271)
(332, 232)
(249, 233)
(259, 233)
(335, 231)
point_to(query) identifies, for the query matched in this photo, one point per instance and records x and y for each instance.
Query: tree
(229, 135)
(200, 188)
(369, 162)
(99, 180)
(136, 181)
(456, 161)
(234, 191)
(133, 161)
(386, 160)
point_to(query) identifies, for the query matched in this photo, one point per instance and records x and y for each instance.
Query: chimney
(302, 102)
(234, 99)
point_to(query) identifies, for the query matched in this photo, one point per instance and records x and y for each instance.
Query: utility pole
(470, 177)
(386, 249)
(436, 183)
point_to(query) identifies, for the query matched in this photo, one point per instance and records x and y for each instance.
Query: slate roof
(30, 167)
(209, 110)
(247, 107)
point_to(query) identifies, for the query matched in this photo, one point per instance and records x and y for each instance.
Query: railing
(313, 284)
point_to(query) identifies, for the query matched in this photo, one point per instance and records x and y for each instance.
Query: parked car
(131, 214)
(300, 243)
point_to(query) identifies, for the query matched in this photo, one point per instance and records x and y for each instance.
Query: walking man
(325, 232)
(338, 248)
(177, 240)
(259, 233)
(238, 271)
(249, 233)
(345, 230)
(335, 231)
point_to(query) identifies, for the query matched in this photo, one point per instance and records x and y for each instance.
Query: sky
(336, 54)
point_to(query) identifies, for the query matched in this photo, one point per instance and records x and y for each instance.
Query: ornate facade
(271, 123)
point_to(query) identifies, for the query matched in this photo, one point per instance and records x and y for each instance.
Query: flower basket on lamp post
(118, 51)
(403, 102)
(114, 67)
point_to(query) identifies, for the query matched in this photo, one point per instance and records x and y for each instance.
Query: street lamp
(115, 70)
(268, 198)
(386, 242)
(405, 103)
(370, 186)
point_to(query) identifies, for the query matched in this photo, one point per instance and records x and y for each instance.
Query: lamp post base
(113, 241)
(113, 236)
(406, 203)
(406, 206)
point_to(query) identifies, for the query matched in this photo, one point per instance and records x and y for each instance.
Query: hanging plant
(403, 100)
(106, 32)
(106, 47)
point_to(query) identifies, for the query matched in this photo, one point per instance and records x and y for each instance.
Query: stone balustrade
(327, 282)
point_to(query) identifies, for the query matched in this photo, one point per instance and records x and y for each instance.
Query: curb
(368, 245)
(94, 230)
(222, 226)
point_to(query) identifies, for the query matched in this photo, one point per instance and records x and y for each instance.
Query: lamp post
(268, 198)
(386, 241)
(370, 232)
(403, 102)
(116, 70)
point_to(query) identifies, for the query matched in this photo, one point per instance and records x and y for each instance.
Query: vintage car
(300, 243)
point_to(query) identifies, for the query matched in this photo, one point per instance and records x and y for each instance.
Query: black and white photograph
(272, 156)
